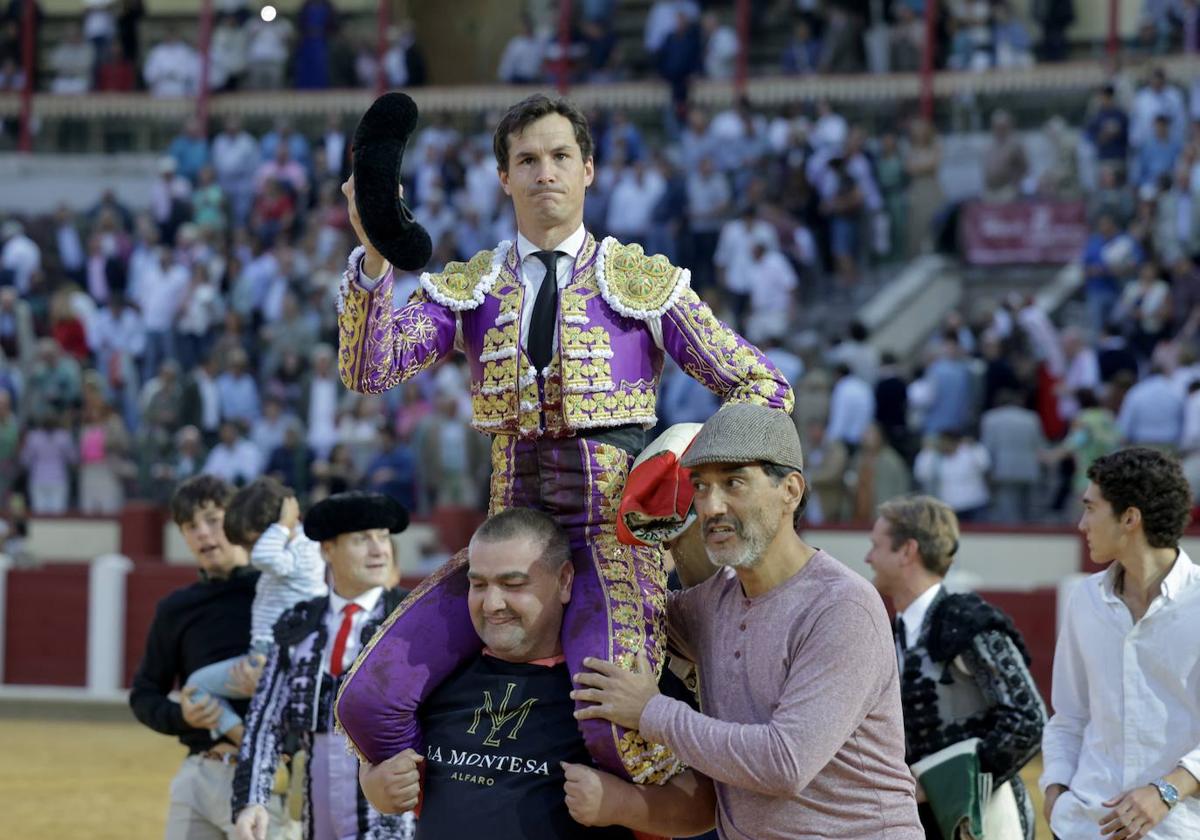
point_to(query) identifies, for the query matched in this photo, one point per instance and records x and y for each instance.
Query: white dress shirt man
(631, 205)
(19, 255)
(851, 408)
(1158, 97)
(771, 294)
(172, 68)
(1152, 413)
(734, 247)
(1122, 752)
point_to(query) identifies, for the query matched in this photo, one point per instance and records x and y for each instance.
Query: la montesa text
(507, 763)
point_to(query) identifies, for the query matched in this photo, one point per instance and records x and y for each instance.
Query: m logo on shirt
(502, 717)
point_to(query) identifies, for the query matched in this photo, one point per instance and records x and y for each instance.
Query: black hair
(197, 492)
(1152, 482)
(527, 522)
(253, 509)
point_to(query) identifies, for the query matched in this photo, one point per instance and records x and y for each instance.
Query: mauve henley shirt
(801, 730)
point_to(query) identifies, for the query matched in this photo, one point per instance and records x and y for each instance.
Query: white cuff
(369, 283)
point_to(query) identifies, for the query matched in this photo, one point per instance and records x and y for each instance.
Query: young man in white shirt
(1122, 752)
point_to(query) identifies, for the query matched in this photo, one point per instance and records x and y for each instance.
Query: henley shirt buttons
(737, 654)
(743, 627)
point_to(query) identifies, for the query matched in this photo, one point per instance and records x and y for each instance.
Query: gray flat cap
(746, 434)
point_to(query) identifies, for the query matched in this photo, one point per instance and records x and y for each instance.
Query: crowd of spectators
(139, 346)
(143, 345)
(1005, 410)
(682, 40)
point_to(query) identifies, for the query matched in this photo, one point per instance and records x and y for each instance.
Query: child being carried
(264, 519)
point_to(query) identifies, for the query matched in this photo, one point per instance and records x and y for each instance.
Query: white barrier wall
(73, 540)
(106, 623)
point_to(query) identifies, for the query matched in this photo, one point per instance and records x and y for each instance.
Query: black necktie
(545, 312)
(901, 637)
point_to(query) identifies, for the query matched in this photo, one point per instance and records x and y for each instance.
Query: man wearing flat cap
(802, 730)
(316, 642)
(565, 337)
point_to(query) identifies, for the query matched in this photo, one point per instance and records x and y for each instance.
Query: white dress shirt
(333, 623)
(958, 479)
(522, 59)
(70, 246)
(1190, 443)
(632, 201)
(1152, 412)
(734, 251)
(124, 333)
(851, 410)
(533, 272)
(161, 294)
(238, 464)
(720, 53)
(1126, 701)
(172, 69)
(235, 157)
(913, 617)
(23, 257)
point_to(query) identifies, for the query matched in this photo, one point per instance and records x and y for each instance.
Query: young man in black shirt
(202, 623)
(503, 752)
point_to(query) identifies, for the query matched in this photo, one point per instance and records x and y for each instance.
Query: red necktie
(339, 641)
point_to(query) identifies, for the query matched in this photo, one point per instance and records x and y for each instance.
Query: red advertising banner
(1023, 232)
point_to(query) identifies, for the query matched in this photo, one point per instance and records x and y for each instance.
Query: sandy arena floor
(108, 781)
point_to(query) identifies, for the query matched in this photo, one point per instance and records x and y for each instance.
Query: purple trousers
(617, 608)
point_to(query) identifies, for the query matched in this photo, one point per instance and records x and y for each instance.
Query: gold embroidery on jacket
(629, 576)
(352, 323)
(458, 282)
(714, 355)
(637, 281)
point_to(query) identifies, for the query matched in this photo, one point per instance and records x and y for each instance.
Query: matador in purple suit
(565, 338)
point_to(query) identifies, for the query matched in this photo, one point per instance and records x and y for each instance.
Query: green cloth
(1093, 435)
(10, 439)
(956, 788)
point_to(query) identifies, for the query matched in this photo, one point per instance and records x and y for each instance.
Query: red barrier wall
(45, 642)
(1035, 614)
(145, 586)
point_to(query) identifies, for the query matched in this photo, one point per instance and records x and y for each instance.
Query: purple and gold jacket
(605, 372)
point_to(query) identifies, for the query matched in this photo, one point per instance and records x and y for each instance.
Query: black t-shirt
(495, 733)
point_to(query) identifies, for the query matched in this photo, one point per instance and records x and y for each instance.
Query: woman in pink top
(103, 444)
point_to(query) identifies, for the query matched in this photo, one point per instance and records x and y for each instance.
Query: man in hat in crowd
(502, 747)
(802, 731)
(964, 669)
(205, 622)
(315, 643)
(565, 339)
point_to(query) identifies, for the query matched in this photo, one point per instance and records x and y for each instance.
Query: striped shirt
(292, 571)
